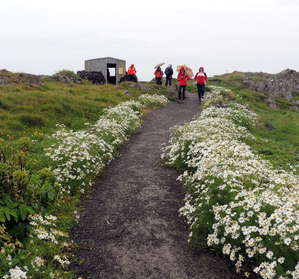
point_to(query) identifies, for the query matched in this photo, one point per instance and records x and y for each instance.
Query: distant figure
(201, 80)
(168, 73)
(132, 72)
(182, 79)
(158, 75)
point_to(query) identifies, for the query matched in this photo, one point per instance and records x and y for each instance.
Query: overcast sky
(44, 36)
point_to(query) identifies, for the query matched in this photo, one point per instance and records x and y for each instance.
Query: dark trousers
(132, 78)
(159, 81)
(182, 90)
(168, 81)
(201, 90)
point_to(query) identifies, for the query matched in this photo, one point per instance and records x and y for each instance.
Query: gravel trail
(129, 227)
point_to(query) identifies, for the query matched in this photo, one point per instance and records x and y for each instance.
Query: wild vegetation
(45, 167)
(26, 109)
(239, 162)
(276, 132)
(237, 202)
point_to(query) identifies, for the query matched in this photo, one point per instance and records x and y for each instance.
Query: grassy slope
(25, 109)
(280, 145)
(27, 115)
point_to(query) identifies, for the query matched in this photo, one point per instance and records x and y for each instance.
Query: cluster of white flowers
(237, 113)
(45, 228)
(236, 201)
(79, 155)
(153, 100)
(16, 273)
(217, 98)
(38, 262)
(63, 260)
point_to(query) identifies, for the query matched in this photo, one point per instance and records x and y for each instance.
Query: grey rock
(269, 126)
(281, 85)
(94, 76)
(128, 93)
(7, 77)
(295, 108)
(65, 78)
(129, 78)
(273, 105)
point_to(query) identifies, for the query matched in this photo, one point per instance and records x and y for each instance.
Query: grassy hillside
(43, 174)
(277, 134)
(25, 109)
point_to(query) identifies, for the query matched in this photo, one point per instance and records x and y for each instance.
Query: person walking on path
(132, 72)
(158, 76)
(182, 79)
(168, 73)
(201, 80)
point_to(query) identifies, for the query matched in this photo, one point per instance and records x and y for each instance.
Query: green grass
(28, 114)
(280, 144)
(25, 110)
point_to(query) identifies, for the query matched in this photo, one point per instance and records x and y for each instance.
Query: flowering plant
(73, 159)
(236, 202)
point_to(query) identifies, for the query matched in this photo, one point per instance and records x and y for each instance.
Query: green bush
(32, 120)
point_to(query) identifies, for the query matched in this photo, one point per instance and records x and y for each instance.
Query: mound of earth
(7, 77)
(65, 77)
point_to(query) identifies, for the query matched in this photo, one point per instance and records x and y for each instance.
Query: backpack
(168, 71)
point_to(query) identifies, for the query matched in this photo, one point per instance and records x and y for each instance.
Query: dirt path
(130, 226)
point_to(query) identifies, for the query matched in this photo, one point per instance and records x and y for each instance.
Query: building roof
(106, 58)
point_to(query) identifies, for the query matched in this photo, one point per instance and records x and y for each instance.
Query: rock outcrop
(65, 77)
(7, 77)
(94, 77)
(281, 85)
(129, 78)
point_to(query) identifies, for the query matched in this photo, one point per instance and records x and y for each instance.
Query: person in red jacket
(158, 75)
(201, 80)
(182, 79)
(132, 72)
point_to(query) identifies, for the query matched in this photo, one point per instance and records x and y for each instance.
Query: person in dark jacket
(201, 79)
(168, 73)
(158, 75)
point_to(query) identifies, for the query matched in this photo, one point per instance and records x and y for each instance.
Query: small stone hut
(112, 68)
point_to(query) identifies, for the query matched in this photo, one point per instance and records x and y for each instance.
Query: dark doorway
(111, 73)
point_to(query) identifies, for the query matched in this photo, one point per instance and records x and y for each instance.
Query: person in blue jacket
(168, 72)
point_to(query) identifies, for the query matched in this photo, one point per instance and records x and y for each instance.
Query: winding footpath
(129, 227)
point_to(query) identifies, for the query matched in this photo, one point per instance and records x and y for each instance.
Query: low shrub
(152, 100)
(32, 120)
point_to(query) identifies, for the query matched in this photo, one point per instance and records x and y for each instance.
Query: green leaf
(6, 213)
(51, 195)
(23, 212)
(2, 216)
